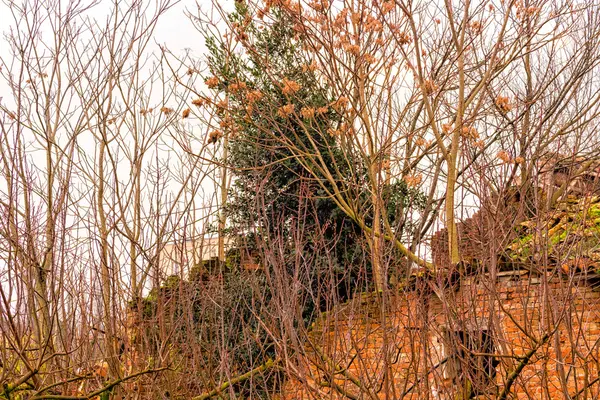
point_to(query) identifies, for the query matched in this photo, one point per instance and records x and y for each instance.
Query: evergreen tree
(270, 187)
(262, 86)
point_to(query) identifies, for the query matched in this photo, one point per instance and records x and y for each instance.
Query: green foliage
(271, 188)
(208, 319)
(273, 192)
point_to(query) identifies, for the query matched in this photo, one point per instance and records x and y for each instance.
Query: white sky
(174, 31)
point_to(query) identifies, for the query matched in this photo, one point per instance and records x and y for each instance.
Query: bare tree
(421, 91)
(469, 103)
(95, 182)
(402, 116)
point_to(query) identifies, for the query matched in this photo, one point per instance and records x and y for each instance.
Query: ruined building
(518, 318)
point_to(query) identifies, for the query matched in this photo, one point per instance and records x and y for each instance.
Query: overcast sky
(175, 30)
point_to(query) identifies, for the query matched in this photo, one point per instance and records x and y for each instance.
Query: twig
(586, 387)
(414, 385)
(515, 373)
(269, 364)
(344, 371)
(12, 387)
(101, 390)
(339, 389)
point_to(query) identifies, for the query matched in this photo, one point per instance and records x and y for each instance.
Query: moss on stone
(571, 230)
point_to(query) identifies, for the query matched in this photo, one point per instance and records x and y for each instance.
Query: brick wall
(412, 345)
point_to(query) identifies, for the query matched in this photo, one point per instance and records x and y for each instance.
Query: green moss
(520, 248)
(525, 239)
(594, 212)
(576, 222)
(172, 282)
(558, 237)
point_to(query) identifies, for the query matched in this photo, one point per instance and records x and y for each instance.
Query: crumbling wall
(399, 347)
